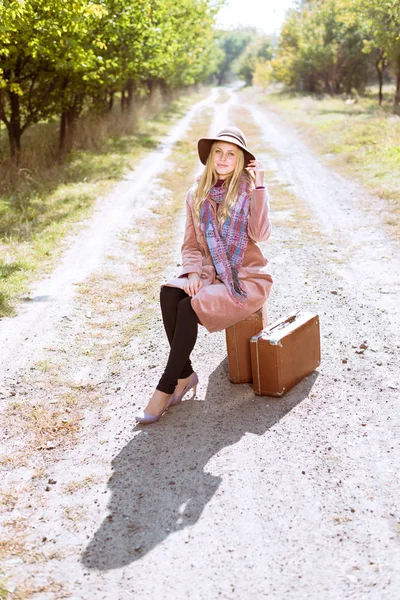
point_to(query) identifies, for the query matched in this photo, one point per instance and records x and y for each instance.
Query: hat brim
(204, 148)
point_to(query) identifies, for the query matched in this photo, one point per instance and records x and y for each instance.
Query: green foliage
(320, 48)
(260, 48)
(334, 45)
(381, 20)
(263, 74)
(231, 45)
(58, 58)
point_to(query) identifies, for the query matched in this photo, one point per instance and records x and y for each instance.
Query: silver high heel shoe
(192, 383)
(146, 418)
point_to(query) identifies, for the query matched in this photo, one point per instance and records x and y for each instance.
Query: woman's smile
(225, 158)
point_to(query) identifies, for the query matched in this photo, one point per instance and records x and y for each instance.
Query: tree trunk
(14, 127)
(380, 79)
(310, 83)
(63, 125)
(62, 136)
(68, 120)
(66, 134)
(123, 101)
(129, 91)
(380, 64)
(71, 118)
(397, 93)
(111, 100)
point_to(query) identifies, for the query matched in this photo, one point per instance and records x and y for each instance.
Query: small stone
(363, 346)
(51, 481)
(334, 292)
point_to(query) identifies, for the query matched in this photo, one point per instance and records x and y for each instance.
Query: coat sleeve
(258, 220)
(192, 257)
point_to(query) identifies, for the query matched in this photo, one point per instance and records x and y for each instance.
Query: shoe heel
(190, 386)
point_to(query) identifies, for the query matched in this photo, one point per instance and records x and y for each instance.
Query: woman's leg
(181, 324)
(182, 343)
(170, 299)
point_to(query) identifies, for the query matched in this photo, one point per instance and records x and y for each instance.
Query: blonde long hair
(209, 178)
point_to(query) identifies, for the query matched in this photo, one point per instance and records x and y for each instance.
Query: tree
(231, 45)
(261, 47)
(262, 74)
(320, 48)
(60, 58)
(382, 22)
(44, 44)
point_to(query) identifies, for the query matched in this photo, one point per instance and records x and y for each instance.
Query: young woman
(225, 277)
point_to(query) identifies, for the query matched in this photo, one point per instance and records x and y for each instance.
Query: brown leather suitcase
(238, 345)
(284, 353)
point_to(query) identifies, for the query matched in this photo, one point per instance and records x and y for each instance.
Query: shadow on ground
(159, 485)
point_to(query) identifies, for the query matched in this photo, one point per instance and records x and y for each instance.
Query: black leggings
(181, 324)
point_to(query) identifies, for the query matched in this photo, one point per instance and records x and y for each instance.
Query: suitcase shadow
(160, 484)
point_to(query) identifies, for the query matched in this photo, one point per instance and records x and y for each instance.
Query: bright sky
(267, 15)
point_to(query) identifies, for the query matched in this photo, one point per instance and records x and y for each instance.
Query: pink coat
(213, 304)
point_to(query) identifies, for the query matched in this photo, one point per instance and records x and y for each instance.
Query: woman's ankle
(157, 402)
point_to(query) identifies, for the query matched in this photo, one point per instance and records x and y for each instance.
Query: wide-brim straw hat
(232, 135)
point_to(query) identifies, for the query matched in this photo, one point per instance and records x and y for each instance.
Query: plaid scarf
(227, 246)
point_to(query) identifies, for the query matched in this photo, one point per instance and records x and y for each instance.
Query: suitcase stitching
(258, 368)
(236, 354)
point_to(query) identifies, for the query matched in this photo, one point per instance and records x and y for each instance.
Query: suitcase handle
(287, 321)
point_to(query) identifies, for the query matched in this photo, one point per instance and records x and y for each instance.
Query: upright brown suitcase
(238, 345)
(284, 353)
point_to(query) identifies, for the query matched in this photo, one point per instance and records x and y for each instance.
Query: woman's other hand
(258, 170)
(193, 285)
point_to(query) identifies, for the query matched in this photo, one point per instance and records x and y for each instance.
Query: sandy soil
(229, 495)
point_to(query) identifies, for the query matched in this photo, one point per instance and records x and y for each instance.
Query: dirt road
(229, 495)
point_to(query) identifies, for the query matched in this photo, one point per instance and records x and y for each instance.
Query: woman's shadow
(159, 485)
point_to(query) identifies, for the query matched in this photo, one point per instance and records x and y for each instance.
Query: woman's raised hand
(193, 284)
(258, 169)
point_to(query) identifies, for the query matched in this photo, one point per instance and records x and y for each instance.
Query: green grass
(360, 138)
(44, 202)
(4, 593)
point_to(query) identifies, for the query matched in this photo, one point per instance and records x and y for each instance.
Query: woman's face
(225, 158)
